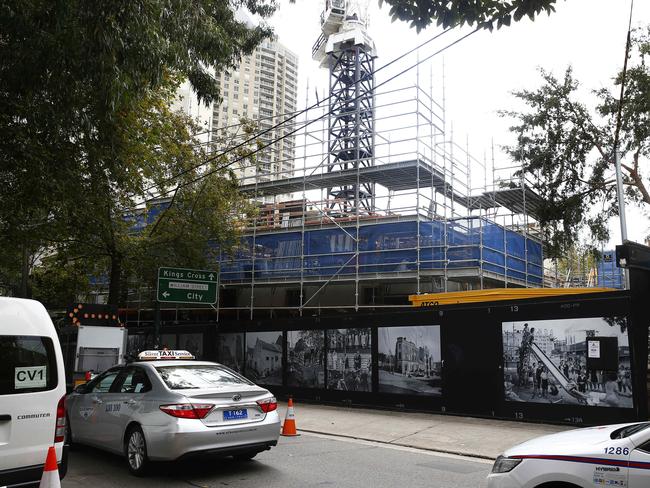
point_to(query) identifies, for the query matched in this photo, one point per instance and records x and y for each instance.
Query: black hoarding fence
(573, 359)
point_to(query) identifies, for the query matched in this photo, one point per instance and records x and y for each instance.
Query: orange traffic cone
(50, 477)
(289, 427)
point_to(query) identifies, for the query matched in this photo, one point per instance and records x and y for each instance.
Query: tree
(567, 149)
(83, 88)
(482, 13)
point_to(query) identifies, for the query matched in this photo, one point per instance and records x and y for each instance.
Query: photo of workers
(349, 359)
(305, 358)
(546, 361)
(231, 351)
(264, 357)
(410, 360)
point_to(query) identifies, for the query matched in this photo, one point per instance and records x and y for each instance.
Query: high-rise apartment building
(188, 103)
(263, 88)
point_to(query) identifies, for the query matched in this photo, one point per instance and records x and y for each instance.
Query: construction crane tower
(346, 49)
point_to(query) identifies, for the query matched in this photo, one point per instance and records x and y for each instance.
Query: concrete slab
(483, 438)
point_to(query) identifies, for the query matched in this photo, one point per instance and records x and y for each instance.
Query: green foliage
(482, 13)
(87, 133)
(567, 150)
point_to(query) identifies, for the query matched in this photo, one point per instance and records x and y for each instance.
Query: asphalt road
(297, 462)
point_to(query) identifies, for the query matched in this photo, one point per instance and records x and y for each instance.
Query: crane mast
(346, 49)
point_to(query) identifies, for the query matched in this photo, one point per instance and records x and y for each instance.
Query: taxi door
(126, 403)
(87, 411)
(639, 470)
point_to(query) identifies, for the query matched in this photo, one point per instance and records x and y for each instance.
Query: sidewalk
(484, 438)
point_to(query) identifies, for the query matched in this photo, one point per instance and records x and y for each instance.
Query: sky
(481, 71)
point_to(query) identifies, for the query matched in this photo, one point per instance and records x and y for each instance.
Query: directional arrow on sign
(181, 285)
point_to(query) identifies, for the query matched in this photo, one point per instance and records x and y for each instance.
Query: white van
(32, 392)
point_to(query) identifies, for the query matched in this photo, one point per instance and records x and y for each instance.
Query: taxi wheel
(246, 456)
(135, 449)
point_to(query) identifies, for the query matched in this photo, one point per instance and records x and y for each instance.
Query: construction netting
(386, 248)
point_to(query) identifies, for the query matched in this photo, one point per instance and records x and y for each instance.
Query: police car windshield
(183, 377)
(627, 431)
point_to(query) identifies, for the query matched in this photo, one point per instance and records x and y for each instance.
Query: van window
(27, 365)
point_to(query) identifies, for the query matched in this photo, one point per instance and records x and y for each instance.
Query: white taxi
(610, 455)
(166, 406)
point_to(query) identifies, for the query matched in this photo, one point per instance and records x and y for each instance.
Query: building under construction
(380, 202)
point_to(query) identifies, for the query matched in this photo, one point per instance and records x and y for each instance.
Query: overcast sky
(481, 71)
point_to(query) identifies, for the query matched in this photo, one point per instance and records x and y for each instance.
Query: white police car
(610, 455)
(166, 406)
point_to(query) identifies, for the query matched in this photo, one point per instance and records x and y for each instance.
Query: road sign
(179, 285)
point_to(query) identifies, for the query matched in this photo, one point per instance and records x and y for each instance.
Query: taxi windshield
(629, 430)
(182, 377)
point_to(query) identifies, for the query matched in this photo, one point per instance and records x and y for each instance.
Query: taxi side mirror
(82, 388)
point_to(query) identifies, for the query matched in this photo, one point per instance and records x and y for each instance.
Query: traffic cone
(50, 478)
(289, 427)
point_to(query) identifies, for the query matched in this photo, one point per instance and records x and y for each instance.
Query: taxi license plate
(235, 414)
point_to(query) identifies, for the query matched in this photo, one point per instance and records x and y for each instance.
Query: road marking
(413, 450)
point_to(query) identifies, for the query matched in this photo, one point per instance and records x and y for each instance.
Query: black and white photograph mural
(410, 360)
(582, 361)
(305, 358)
(264, 357)
(349, 359)
(231, 351)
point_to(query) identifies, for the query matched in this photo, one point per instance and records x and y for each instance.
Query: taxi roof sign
(164, 354)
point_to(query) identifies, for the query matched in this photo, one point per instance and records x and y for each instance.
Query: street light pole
(621, 196)
(621, 209)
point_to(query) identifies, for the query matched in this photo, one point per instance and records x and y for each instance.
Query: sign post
(180, 285)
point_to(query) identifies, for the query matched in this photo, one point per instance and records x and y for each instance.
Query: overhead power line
(293, 116)
(294, 131)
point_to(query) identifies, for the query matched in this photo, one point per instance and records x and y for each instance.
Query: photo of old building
(264, 357)
(305, 360)
(231, 351)
(410, 360)
(349, 359)
(547, 361)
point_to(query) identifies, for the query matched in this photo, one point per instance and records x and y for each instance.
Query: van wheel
(135, 449)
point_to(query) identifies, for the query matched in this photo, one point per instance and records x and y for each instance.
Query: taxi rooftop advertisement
(579, 360)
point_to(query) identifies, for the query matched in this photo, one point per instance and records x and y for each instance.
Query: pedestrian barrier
(50, 478)
(289, 427)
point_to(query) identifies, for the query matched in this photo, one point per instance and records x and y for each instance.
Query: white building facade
(262, 88)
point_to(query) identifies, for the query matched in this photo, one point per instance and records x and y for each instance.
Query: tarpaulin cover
(386, 248)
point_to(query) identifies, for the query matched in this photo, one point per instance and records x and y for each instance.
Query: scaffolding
(375, 201)
(406, 208)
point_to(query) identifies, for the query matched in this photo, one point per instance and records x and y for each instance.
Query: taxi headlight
(505, 464)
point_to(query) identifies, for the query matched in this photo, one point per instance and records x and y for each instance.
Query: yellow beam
(496, 294)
